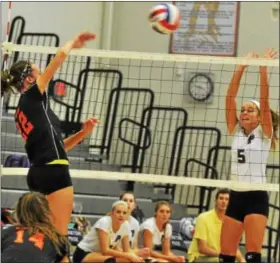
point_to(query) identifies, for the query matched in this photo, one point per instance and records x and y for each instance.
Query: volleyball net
(159, 114)
(162, 129)
(162, 117)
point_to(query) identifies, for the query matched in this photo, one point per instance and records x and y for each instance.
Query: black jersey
(39, 127)
(18, 246)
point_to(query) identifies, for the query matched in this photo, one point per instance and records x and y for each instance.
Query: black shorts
(79, 255)
(48, 179)
(242, 204)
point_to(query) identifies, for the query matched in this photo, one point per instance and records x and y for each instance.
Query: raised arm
(76, 138)
(59, 58)
(265, 114)
(231, 112)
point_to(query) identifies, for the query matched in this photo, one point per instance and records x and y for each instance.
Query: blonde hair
(118, 202)
(275, 125)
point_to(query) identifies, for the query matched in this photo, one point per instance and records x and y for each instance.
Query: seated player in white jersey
(255, 133)
(134, 225)
(155, 233)
(101, 243)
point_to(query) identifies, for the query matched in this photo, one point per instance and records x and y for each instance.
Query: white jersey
(158, 236)
(90, 243)
(134, 227)
(249, 156)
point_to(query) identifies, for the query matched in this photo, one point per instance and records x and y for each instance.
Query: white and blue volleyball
(165, 18)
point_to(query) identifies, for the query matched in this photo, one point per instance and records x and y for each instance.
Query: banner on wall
(207, 28)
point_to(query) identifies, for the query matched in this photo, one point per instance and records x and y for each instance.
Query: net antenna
(6, 55)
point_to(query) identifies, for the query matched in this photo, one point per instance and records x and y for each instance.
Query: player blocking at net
(40, 129)
(256, 135)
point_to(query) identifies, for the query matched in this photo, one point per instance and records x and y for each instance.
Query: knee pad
(226, 258)
(253, 257)
(110, 260)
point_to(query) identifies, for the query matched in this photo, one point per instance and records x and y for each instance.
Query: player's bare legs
(61, 205)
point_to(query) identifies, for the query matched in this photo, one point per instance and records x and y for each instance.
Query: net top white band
(151, 178)
(8, 48)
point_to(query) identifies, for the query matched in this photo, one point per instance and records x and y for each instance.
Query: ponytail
(12, 80)
(6, 80)
(275, 126)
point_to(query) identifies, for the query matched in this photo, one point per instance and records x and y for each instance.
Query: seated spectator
(6, 217)
(33, 237)
(205, 246)
(134, 225)
(102, 242)
(155, 234)
(81, 224)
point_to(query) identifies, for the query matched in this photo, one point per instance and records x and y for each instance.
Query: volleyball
(165, 18)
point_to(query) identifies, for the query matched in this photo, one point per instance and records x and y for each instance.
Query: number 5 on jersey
(241, 156)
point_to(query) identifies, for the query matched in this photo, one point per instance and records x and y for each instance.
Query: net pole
(5, 58)
(8, 33)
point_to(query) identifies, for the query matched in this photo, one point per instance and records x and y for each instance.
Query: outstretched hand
(252, 55)
(249, 55)
(89, 125)
(270, 53)
(82, 38)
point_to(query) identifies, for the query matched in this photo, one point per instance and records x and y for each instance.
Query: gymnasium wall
(131, 30)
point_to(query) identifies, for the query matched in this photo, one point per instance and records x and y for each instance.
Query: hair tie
(119, 202)
(256, 103)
